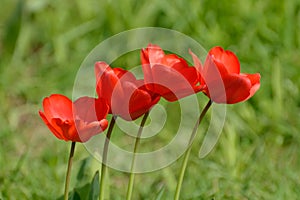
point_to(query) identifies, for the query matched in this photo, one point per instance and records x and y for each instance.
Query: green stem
(137, 142)
(68, 175)
(104, 157)
(188, 151)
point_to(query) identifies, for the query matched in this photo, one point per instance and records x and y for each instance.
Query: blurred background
(43, 43)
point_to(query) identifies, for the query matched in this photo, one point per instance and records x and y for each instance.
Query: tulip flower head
(126, 96)
(76, 122)
(168, 75)
(222, 77)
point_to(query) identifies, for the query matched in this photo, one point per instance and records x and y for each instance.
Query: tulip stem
(104, 157)
(68, 175)
(137, 142)
(188, 151)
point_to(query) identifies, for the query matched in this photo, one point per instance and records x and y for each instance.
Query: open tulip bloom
(126, 96)
(121, 94)
(169, 75)
(76, 122)
(222, 78)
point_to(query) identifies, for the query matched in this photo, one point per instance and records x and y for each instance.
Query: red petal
(148, 76)
(57, 106)
(171, 84)
(144, 57)
(89, 116)
(172, 60)
(235, 88)
(198, 66)
(119, 72)
(84, 108)
(213, 72)
(66, 128)
(197, 62)
(255, 83)
(86, 131)
(57, 133)
(90, 109)
(124, 74)
(122, 104)
(102, 108)
(155, 54)
(191, 75)
(100, 68)
(149, 57)
(226, 58)
(216, 72)
(103, 124)
(139, 103)
(106, 80)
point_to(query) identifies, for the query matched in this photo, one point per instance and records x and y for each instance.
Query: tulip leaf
(89, 191)
(160, 193)
(74, 195)
(82, 173)
(94, 187)
(83, 191)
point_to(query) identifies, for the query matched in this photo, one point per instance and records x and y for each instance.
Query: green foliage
(86, 191)
(44, 42)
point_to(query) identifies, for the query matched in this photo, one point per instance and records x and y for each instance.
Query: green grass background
(43, 43)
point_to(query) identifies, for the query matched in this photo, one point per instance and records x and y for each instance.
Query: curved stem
(188, 151)
(68, 175)
(104, 157)
(137, 142)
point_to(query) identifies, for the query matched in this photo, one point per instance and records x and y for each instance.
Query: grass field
(43, 43)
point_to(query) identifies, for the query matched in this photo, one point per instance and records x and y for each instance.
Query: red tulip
(126, 96)
(168, 75)
(76, 122)
(224, 82)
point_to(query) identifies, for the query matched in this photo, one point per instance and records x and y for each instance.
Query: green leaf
(160, 193)
(89, 191)
(83, 191)
(95, 187)
(81, 175)
(74, 195)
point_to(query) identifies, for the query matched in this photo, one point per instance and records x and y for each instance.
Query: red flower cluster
(165, 75)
